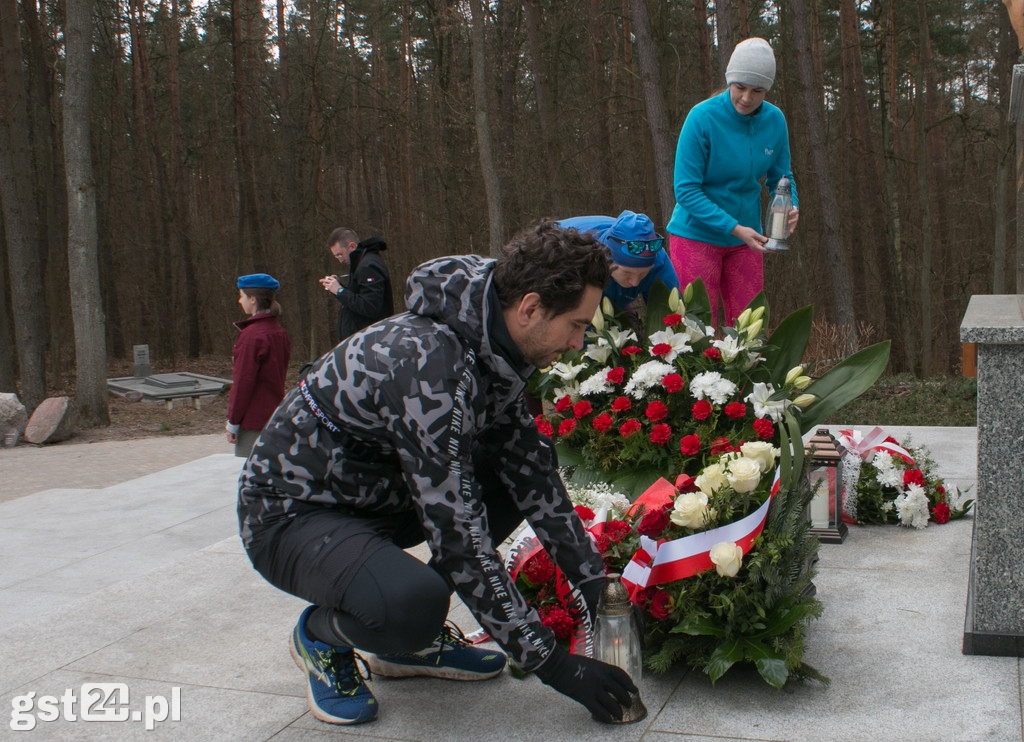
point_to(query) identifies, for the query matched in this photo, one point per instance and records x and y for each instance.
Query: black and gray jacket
(421, 390)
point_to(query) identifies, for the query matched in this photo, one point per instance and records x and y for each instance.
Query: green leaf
(699, 626)
(785, 615)
(635, 482)
(791, 461)
(773, 670)
(725, 656)
(568, 456)
(699, 304)
(787, 344)
(657, 308)
(844, 382)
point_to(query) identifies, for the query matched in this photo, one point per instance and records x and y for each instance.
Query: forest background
(152, 151)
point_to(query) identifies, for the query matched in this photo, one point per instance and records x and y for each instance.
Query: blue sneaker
(337, 692)
(451, 657)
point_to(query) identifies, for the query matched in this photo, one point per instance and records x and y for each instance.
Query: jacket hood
(452, 291)
(456, 291)
(373, 243)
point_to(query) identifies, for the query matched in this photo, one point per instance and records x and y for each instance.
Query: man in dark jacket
(367, 298)
(414, 429)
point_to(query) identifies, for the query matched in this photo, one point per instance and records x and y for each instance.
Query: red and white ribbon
(656, 563)
(866, 445)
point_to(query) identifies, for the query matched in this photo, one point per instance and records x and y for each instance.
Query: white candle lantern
(617, 640)
(826, 479)
(776, 218)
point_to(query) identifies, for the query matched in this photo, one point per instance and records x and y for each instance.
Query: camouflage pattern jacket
(386, 423)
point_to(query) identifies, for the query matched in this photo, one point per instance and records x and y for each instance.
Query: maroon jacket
(261, 354)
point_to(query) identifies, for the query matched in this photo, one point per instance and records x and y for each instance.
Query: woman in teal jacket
(729, 144)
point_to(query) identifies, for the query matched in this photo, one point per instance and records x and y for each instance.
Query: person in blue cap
(259, 361)
(638, 254)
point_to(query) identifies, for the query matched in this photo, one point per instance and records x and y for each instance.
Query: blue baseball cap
(630, 236)
(258, 281)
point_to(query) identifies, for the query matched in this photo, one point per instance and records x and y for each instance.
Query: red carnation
(660, 434)
(602, 423)
(602, 542)
(653, 523)
(702, 410)
(721, 445)
(559, 621)
(713, 353)
(672, 383)
(686, 483)
(690, 445)
(940, 513)
(913, 476)
(617, 530)
(615, 375)
(566, 427)
(671, 320)
(661, 349)
(563, 403)
(582, 408)
(543, 426)
(661, 605)
(621, 404)
(585, 513)
(735, 410)
(539, 568)
(628, 428)
(632, 350)
(764, 428)
(656, 411)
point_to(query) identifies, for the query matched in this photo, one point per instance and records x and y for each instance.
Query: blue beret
(259, 281)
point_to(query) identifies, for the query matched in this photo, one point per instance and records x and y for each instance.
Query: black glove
(603, 689)
(591, 592)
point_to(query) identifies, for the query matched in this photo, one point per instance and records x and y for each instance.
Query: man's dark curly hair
(556, 263)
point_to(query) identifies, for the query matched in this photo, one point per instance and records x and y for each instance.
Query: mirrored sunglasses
(642, 247)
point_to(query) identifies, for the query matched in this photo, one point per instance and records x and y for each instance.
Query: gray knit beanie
(752, 63)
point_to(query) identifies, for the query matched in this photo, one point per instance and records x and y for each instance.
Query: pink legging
(736, 274)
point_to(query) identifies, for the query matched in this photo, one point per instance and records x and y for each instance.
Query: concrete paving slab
(206, 623)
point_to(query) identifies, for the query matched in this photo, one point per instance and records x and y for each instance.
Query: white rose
(727, 558)
(761, 452)
(690, 510)
(744, 474)
(711, 479)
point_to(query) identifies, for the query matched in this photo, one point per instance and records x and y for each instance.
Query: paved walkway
(133, 576)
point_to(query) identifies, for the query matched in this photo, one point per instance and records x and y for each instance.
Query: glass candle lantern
(825, 510)
(776, 219)
(617, 641)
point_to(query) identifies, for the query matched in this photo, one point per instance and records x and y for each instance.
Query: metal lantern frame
(825, 510)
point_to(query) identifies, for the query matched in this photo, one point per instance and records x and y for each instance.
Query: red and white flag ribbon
(866, 445)
(656, 563)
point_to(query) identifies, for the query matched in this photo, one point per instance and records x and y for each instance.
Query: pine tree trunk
(821, 174)
(654, 102)
(532, 17)
(83, 264)
(488, 167)
(19, 217)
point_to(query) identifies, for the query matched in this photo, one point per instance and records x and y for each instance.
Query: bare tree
(821, 174)
(19, 216)
(887, 70)
(83, 266)
(545, 119)
(488, 166)
(654, 102)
